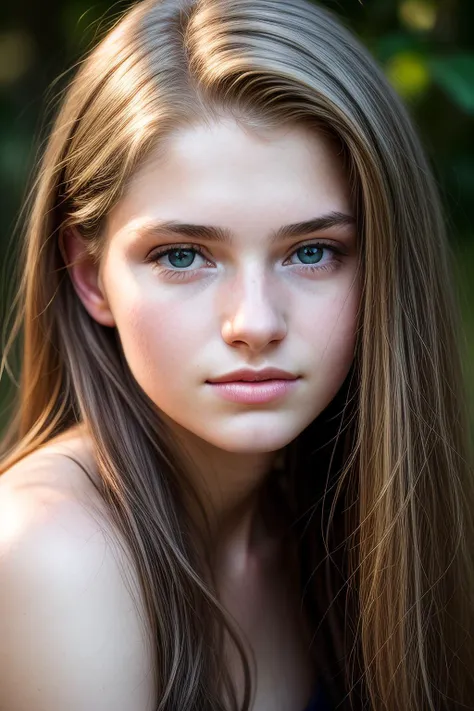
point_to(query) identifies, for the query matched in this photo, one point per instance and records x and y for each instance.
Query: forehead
(222, 171)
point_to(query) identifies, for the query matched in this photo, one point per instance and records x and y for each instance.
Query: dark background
(426, 48)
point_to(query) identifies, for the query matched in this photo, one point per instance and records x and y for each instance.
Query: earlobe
(84, 274)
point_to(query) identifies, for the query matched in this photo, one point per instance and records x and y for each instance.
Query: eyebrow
(220, 234)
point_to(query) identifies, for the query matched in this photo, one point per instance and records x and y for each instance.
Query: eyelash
(182, 273)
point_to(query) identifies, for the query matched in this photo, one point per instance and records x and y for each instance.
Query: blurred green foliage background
(426, 48)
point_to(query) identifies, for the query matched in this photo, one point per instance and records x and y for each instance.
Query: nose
(255, 315)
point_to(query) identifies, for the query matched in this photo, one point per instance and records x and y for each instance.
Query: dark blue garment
(318, 701)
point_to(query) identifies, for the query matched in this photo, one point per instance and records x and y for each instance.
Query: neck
(229, 488)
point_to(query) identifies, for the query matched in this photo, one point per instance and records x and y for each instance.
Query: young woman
(231, 191)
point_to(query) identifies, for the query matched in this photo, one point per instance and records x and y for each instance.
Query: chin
(250, 444)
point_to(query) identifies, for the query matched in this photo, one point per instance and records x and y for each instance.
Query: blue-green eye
(310, 251)
(182, 256)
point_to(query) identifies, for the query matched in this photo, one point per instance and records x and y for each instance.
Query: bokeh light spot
(418, 15)
(408, 73)
(16, 55)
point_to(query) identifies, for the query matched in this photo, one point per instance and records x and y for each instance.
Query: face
(190, 308)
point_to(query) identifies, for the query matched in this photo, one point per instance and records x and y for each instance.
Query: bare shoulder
(61, 468)
(72, 632)
(57, 481)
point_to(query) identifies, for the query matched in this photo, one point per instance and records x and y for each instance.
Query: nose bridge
(253, 308)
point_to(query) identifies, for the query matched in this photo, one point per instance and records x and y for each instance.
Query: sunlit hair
(379, 488)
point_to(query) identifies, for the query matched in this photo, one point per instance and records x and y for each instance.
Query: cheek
(331, 336)
(158, 340)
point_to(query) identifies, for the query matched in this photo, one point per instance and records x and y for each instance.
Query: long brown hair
(379, 488)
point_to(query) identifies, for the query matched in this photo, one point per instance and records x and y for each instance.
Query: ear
(85, 276)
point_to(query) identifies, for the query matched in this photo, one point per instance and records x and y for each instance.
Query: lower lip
(254, 392)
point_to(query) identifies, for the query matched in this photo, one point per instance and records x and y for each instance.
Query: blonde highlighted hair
(386, 534)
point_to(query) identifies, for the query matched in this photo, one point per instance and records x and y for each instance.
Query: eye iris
(310, 248)
(180, 252)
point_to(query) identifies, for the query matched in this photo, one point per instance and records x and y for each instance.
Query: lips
(255, 392)
(249, 376)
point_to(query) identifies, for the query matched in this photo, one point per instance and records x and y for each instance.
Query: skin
(250, 304)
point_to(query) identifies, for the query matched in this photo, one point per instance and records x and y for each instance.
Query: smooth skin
(183, 319)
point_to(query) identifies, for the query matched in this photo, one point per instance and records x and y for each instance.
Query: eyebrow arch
(224, 236)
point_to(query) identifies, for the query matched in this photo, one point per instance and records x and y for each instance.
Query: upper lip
(252, 375)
